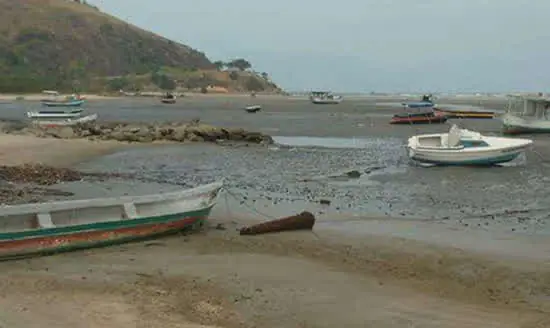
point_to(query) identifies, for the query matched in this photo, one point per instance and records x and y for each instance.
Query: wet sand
(383, 272)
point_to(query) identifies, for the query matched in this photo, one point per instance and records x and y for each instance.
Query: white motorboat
(464, 147)
(324, 98)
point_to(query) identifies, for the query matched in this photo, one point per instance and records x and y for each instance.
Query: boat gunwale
(107, 201)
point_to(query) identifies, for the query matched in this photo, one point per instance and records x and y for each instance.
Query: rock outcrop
(141, 132)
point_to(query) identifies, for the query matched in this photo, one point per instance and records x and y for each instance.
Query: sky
(364, 45)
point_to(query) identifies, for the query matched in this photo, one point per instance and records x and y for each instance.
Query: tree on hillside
(239, 63)
(265, 76)
(219, 65)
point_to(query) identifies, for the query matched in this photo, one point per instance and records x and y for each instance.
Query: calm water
(317, 146)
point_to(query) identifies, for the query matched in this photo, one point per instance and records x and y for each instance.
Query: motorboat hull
(467, 148)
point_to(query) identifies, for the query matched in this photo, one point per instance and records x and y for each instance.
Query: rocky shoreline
(193, 131)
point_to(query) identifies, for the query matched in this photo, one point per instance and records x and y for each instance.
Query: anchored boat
(253, 108)
(324, 98)
(54, 101)
(67, 122)
(47, 228)
(464, 147)
(168, 98)
(424, 117)
(55, 114)
(527, 114)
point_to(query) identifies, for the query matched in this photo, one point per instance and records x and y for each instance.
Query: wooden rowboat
(48, 228)
(419, 118)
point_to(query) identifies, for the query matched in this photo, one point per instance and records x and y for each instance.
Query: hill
(63, 45)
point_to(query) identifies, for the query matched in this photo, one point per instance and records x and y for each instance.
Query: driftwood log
(302, 221)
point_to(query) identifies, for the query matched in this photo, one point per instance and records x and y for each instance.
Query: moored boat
(69, 101)
(325, 98)
(452, 113)
(168, 98)
(426, 102)
(464, 147)
(253, 108)
(527, 114)
(425, 117)
(55, 114)
(66, 122)
(48, 228)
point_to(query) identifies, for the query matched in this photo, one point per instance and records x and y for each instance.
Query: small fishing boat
(67, 122)
(527, 114)
(48, 228)
(423, 117)
(55, 114)
(478, 114)
(324, 98)
(464, 147)
(54, 101)
(426, 102)
(253, 108)
(168, 98)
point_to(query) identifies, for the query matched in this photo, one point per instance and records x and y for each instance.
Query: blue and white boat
(54, 101)
(426, 102)
(464, 147)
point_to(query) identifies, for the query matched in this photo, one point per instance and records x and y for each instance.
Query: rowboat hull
(34, 232)
(419, 119)
(75, 103)
(517, 125)
(168, 101)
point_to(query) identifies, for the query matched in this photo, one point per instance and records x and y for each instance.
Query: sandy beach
(388, 273)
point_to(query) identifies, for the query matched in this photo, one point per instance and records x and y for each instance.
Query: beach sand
(395, 274)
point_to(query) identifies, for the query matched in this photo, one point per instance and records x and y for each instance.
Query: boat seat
(444, 140)
(45, 220)
(130, 211)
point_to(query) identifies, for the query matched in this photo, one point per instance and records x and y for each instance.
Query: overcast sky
(364, 45)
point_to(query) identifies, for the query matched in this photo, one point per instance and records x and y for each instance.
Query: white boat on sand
(67, 122)
(48, 228)
(464, 147)
(527, 115)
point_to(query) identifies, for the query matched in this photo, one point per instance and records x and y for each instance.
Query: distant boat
(168, 98)
(527, 114)
(452, 113)
(55, 114)
(426, 102)
(69, 101)
(324, 98)
(253, 108)
(67, 122)
(429, 117)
